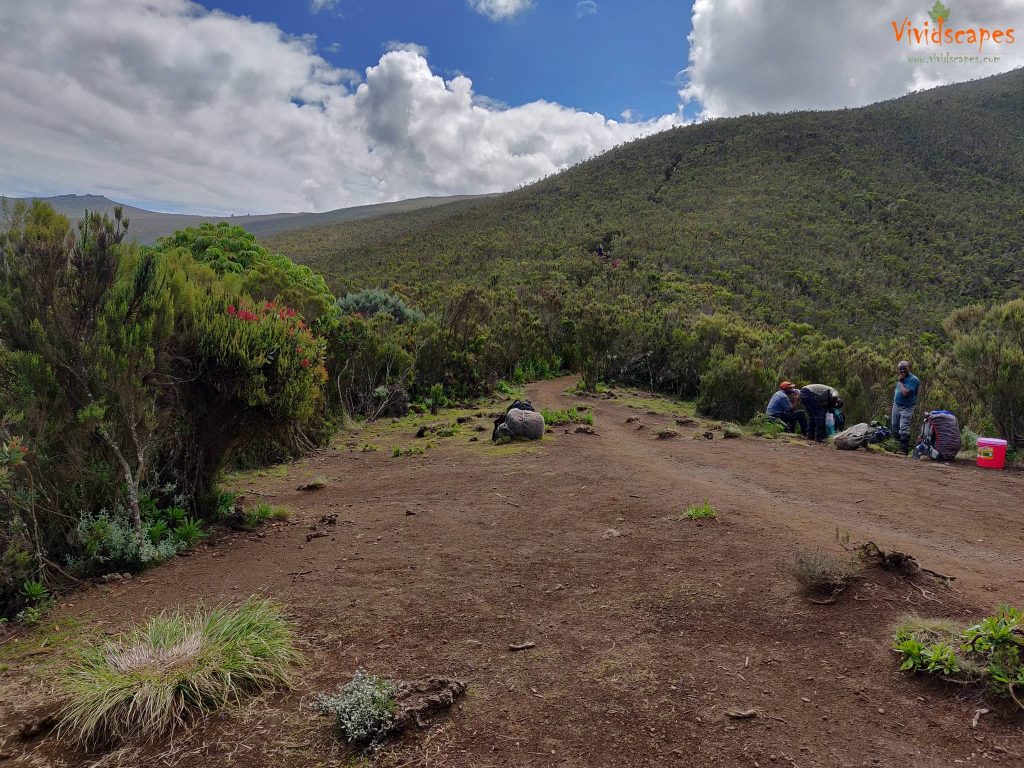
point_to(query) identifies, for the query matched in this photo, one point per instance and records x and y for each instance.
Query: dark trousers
(793, 418)
(815, 416)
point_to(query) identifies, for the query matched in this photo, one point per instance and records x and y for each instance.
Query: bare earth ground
(647, 628)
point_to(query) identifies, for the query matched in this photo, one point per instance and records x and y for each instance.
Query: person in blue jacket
(781, 407)
(904, 401)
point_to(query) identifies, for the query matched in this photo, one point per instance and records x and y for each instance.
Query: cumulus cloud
(395, 45)
(166, 102)
(315, 6)
(780, 55)
(498, 10)
(585, 8)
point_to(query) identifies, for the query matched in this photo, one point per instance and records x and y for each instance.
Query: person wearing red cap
(782, 407)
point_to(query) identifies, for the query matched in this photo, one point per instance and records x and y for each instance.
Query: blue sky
(626, 55)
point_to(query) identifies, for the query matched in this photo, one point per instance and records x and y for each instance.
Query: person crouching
(785, 407)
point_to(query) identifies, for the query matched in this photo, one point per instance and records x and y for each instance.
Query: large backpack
(857, 436)
(945, 429)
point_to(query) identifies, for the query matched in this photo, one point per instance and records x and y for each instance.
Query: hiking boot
(905, 445)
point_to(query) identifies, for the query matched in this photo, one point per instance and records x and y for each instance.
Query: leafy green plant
(990, 651)
(700, 511)
(30, 615)
(35, 591)
(364, 709)
(188, 532)
(174, 668)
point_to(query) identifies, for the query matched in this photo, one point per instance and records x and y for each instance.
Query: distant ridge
(146, 226)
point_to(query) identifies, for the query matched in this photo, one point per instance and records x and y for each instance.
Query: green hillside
(147, 226)
(868, 222)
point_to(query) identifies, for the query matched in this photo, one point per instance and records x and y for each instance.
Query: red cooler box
(991, 452)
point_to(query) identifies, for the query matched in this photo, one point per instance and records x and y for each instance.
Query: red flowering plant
(286, 341)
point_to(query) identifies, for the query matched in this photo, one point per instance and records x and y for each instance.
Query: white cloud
(395, 45)
(586, 8)
(166, 102)
(498, 10)
(333, 48)
(780, 55)
(315, 6)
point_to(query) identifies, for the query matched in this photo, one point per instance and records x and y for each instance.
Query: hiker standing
(903, 403)
(782, 406)
(818, 399)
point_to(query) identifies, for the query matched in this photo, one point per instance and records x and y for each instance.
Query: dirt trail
(647, 628)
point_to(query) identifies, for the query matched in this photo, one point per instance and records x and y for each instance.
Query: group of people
(810, 407)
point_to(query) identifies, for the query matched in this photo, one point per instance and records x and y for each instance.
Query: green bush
(988, 346)
(374, 301)
(125, 373)
(364, 709)
(735, 387)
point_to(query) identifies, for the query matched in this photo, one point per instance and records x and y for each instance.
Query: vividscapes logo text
(940, 32)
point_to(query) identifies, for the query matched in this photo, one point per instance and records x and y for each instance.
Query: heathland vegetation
(707, 262)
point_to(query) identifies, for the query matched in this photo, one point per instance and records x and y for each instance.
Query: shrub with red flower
(309, 351)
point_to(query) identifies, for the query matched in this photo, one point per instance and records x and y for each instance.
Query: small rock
(585, 430)
(611, 533)
(667, 434)
(732, 434)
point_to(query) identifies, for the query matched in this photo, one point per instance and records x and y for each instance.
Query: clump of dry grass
(176, 667)
(819, 571)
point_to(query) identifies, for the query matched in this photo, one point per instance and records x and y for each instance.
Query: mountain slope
(147, 226)
(871, 221)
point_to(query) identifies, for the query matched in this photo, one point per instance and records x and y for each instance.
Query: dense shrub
(128, 379)
(375, 301)
(988, 347)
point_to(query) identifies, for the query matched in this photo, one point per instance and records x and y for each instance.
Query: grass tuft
(569, 416)
(820, 571)
(700, 511)
(262, 512)
(173, 669)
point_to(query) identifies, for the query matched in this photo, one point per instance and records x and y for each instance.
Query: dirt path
(647, 628)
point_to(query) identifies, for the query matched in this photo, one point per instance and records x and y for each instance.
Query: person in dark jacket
(782, 407)
(817, 400)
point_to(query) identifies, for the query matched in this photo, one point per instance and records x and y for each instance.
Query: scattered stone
(732, 434)
(474, 439)
(611, 533)
(410, 512)
(652, 413)
(422, 431)
(708, 435)
(632, 419)
(687, 422)
(742, 714)
(667, 434)
(329, 519)
(585, 430)
(522, 646)
(463, 419)
(480, 428)
(315, 535)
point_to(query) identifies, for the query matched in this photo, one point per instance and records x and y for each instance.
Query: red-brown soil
(648, 628)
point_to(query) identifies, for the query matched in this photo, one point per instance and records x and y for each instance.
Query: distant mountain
(146, 226)
(869, 223)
